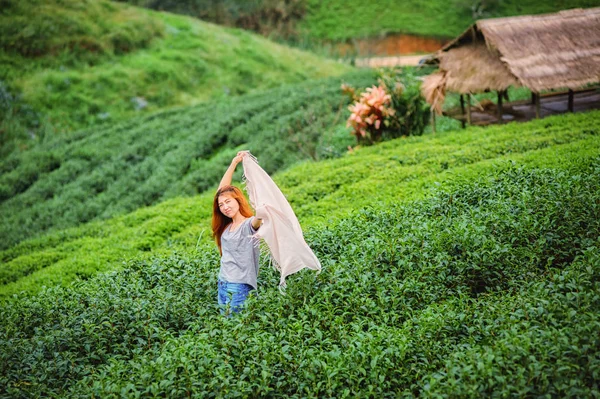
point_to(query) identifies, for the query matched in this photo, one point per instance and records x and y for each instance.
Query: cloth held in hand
(280, 229)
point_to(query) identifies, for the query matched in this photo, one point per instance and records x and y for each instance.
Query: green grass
(340, 20)
(69, 65)
(51, 34)
(320, 192)
(317, 24)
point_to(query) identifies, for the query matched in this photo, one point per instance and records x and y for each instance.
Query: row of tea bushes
(320, 192)
(99, 173)
(409, 297)
(394, 170)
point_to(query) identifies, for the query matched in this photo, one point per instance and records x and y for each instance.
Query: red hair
(220, 221)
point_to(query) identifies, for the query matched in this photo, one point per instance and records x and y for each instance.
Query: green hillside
(320, 192)
(70, 64)
(308, 22)
(110, 170)
(462, 264)
(347, 19)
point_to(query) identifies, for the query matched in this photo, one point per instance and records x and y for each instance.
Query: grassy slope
(342, 20)
(103, 172)
(322, 192)
(106, 59)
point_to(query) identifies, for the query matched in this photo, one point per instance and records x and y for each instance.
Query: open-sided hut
(540, 52)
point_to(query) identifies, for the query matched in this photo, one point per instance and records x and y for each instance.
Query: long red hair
(220, 221)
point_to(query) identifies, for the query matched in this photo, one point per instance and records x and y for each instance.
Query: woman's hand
(226, 180)
(239, 157)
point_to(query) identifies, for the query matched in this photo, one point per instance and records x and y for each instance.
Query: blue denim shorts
(232, 296)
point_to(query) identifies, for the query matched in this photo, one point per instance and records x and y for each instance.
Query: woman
(233, 225)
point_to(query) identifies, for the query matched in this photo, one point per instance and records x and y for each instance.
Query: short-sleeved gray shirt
(239, 262)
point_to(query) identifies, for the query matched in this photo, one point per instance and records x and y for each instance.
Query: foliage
(306, 22)
(394, 108)
(320, 192)
(411, 111)
(461, 264)
(102, 172)
(369, 114)
(487, 287)
(52, 28)
(19, 123)
(400, 169)
(272, 18)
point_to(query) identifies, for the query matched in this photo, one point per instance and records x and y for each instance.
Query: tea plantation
(461, 264)
(102, 172)
(320, 192)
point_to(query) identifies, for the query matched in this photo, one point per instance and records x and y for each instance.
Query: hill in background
(309, 22)
(71, 64)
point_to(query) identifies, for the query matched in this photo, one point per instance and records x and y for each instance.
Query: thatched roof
(474, 68)
(540, 52)
(434, 90)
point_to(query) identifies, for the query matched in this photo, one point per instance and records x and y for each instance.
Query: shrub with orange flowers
(391, 109)
(370, 112)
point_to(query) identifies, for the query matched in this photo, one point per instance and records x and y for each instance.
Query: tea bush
(321, 193)
(547, 343)
(412, 299)
(399, 169)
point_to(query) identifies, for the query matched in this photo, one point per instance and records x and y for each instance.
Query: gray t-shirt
(239, 262)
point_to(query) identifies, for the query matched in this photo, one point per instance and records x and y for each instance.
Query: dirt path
(378, 62)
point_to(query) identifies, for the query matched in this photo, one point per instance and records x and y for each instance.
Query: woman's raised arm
(226, 180)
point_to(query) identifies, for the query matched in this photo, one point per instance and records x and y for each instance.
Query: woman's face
(228, 205)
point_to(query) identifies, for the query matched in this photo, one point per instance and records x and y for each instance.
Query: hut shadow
(486, 112)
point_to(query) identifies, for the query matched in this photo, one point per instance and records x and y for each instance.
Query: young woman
(233, 225)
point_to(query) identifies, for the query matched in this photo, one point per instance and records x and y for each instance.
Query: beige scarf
(280, 229)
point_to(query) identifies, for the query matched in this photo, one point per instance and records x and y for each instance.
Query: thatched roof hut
(540, 52)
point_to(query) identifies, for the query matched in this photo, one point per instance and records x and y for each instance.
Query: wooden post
(499, 106)
(462, 109)
(570, 107)
(469, 108)
(433, 121)
(532, 98)
(537, 105)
